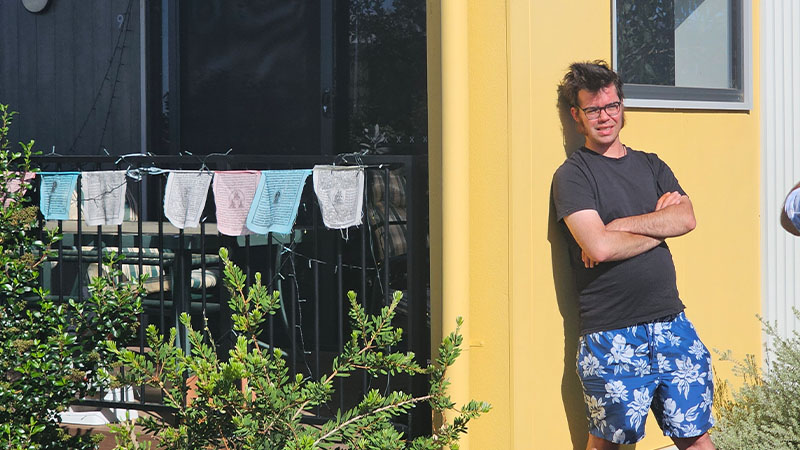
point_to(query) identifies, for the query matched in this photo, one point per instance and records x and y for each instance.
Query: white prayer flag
(233, 194)
(185, 197)
(340, 193)
(103, 201)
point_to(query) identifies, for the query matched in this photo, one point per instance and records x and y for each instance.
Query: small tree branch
(337, 428)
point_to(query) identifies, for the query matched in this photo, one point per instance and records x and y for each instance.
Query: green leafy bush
(251, 402)
(126, 437)
(50, 352)
(764, 414)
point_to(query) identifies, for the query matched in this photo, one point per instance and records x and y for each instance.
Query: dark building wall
(73, 74)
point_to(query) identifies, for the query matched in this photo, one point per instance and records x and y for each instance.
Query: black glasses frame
(593, 112)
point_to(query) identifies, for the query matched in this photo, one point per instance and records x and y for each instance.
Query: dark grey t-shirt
(620, 293)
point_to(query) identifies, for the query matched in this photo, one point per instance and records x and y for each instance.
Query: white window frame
(676, 97)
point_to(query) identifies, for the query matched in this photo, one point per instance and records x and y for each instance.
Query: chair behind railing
(313, 267)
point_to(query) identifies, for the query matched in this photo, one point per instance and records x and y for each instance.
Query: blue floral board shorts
(661, 365)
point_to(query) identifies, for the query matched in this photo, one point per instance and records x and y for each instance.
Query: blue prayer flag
(277, 198)
(55, 194)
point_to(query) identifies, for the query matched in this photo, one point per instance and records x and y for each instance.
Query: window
(684, 53)
(282, 78)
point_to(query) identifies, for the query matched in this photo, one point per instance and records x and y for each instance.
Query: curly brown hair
(591, 76)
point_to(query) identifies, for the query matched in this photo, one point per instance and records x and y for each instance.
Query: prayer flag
(185, 197)
(274, 208)
(14, 182)
(233, 194)
(340, 193)
(55, 193)
(103, 201)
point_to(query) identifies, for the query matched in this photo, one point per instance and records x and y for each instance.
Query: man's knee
(702, 442)
(597, 443)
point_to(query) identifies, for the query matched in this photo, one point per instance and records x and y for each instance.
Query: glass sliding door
(278, 77)
(381, 75)
(240, 75)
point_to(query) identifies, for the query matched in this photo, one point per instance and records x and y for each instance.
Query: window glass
(692, 46)
(287, 77)
(385, 77)
(703, 37)
(250, 77)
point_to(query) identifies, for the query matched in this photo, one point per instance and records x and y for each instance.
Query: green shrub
(764, 414)
(126, 437)
(251, 402)
(50, 352)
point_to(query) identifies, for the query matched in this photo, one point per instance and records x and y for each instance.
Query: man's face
(603, 131)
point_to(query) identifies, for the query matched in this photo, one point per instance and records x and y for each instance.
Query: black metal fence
(313, 267)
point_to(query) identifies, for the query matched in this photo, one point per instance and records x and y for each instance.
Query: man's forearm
(672, 221)
(621, 245)
(598, 244)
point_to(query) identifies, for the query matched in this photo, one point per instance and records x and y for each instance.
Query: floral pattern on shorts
(660, 365)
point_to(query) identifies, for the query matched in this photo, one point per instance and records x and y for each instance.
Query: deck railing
(313, 267)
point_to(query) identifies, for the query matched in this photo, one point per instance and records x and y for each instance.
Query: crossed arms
(627, 237)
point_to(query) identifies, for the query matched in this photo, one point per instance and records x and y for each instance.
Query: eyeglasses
(593, 112)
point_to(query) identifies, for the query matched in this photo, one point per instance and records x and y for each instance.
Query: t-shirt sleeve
(665, 179)
(572, 191)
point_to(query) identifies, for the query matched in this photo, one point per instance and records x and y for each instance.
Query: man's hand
(588, 262)
(668, 199)
(579, 226)
(598, 244)
(673, 216)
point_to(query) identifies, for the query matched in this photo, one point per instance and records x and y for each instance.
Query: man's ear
(573, 111)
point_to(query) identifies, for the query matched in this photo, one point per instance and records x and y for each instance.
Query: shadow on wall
(572, 140)
(567, 297)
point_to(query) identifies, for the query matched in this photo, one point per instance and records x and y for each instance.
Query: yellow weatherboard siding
(522, 324)
(488, 193)
(455, 188)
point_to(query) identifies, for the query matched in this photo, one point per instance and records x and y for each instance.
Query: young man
(637, 348)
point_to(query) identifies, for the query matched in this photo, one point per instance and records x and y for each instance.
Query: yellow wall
(522, 318)
(489, 212)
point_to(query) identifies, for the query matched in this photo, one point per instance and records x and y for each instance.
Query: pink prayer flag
(234, 191)
(14, 185)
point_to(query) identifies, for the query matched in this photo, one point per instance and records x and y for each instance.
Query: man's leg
(702, 442)
(617, 385)
(683, 400)
(596, 443)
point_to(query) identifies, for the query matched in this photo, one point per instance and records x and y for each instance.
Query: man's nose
(604, 117)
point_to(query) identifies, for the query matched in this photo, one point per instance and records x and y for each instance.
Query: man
(637, 348)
